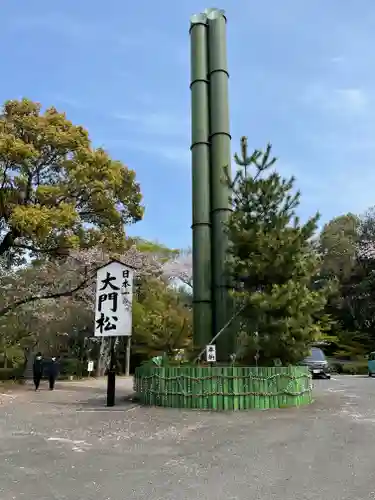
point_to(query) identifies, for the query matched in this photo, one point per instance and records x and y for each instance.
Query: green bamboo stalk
(226, 398)
(236, 398)
(200, 375)
(247, 386)
(268, 388)
(259, 388)
(275, 388)
(262, 386)
(220, 158)
(240, 388)
(200, 156)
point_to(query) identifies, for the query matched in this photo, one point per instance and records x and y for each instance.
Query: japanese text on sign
(114, 293)
(211, 354)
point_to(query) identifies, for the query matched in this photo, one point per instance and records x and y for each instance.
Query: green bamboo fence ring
(223, 387)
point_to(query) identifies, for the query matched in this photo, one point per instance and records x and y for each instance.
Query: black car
(317, 363)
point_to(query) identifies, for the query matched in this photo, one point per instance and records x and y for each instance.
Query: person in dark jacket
(52, 371)
(38, 370)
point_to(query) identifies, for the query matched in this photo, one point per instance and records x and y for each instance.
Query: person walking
(38, 370)
(53, 371)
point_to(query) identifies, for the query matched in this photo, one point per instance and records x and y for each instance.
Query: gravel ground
(66, 445)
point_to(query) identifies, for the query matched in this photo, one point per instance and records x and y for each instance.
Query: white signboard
(90, 366)
(114, 298)
(211, 354)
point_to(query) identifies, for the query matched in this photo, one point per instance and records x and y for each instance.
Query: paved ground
(66, 445)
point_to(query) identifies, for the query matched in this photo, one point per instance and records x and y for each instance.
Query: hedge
(353, 368)
(72, 367)
(11, 374)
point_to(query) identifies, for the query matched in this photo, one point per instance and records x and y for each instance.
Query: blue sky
(302, 77)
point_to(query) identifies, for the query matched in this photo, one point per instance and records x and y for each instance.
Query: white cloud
(180, 155)
(57, 23)
(337, 59)
(174, 154)
(354, 100)
(74, 29)
(340, 100)
(67, 101)
(156, 123)
(157, 133)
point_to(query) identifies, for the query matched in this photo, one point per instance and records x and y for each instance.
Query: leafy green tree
(31, 325)
(347, 246)
(158, 250)
(161, 320)
(338, 246)
(272, 263)
(57, 191)
(357, 304)
(338, 242)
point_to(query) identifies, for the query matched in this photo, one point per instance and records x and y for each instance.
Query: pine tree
(272, 263)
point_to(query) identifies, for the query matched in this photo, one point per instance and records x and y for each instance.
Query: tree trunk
(28, 371)
(104, 357)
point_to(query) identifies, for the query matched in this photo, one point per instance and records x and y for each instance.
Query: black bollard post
(111, 376)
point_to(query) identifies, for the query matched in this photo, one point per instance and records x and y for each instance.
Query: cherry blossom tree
(55, 297)
(65, 277)
(180, 269)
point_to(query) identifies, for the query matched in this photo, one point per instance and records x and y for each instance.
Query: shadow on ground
(95, 403)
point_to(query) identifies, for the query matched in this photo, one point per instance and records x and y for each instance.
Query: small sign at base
(90, 366)
(158, 360)
(211, 353)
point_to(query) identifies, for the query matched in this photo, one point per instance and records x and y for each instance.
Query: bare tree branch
(65, 277)
(34, 298)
